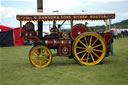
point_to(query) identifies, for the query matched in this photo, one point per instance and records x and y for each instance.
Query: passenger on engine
(54, 32)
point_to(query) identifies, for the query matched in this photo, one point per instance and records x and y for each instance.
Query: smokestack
(39, 5)
(40, 23)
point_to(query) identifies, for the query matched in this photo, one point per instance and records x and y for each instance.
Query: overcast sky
(9, 8)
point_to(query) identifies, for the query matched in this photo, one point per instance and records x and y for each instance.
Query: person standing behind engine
(119, 33)
(115, 34)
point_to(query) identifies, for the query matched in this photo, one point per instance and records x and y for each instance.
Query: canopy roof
(65, 16)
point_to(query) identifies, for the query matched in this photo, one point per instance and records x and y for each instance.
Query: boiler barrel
(54, 43)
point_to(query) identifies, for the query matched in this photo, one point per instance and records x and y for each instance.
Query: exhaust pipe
(39, 5)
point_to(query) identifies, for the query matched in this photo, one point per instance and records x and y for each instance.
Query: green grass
(15, 69)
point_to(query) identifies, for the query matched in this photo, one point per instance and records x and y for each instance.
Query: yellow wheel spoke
(36, 51)
(81, 52)
(34, 59)
(43, 61)
(90, 41)
(82, 43)
(40, 63)
(46, 55)
(94, 41)
(41, 51)
(92, 57)
(37, 62)
(46, 59)
(40, 56)
(96, 55)
(86, 41)
(89, 48)
(44, 51)
(97, 50)
(80, 47)
(83, 56)
(33, 53)
(97, 46)
(87, 57)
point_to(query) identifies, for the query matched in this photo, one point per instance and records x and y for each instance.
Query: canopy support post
(106, 25)
(20, 28)
(40, 29)
(71, 23)
(109, 25)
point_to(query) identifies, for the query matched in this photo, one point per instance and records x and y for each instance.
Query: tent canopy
(10, 36)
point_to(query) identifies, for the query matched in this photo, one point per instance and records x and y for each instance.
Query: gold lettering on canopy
(35, 17)
(29, 18)
(64, 17)
(39, 17)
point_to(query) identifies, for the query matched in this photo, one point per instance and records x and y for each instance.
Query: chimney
(39, 5)
(40, 23)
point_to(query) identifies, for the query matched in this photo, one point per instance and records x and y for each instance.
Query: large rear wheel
(40, 56)
(89, 48)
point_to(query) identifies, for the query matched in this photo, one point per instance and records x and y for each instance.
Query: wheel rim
(40, 56)
(89, 48)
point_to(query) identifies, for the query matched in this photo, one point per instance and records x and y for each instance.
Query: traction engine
(86, 47)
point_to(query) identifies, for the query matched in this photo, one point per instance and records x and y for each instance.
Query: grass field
(15, 69)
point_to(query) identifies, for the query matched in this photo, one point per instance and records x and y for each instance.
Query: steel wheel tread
(89, 48)
(40, 56)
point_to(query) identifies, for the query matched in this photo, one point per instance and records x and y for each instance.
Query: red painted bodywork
(77, 29)
(107, 37)
(52, 43)
(64, 41)
(56, 43)
(30, 36)
(61, 46)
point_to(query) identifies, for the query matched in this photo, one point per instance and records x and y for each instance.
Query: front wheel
(40, 56)
(89, 48)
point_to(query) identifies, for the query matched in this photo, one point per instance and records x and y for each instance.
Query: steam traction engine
(87, 48)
